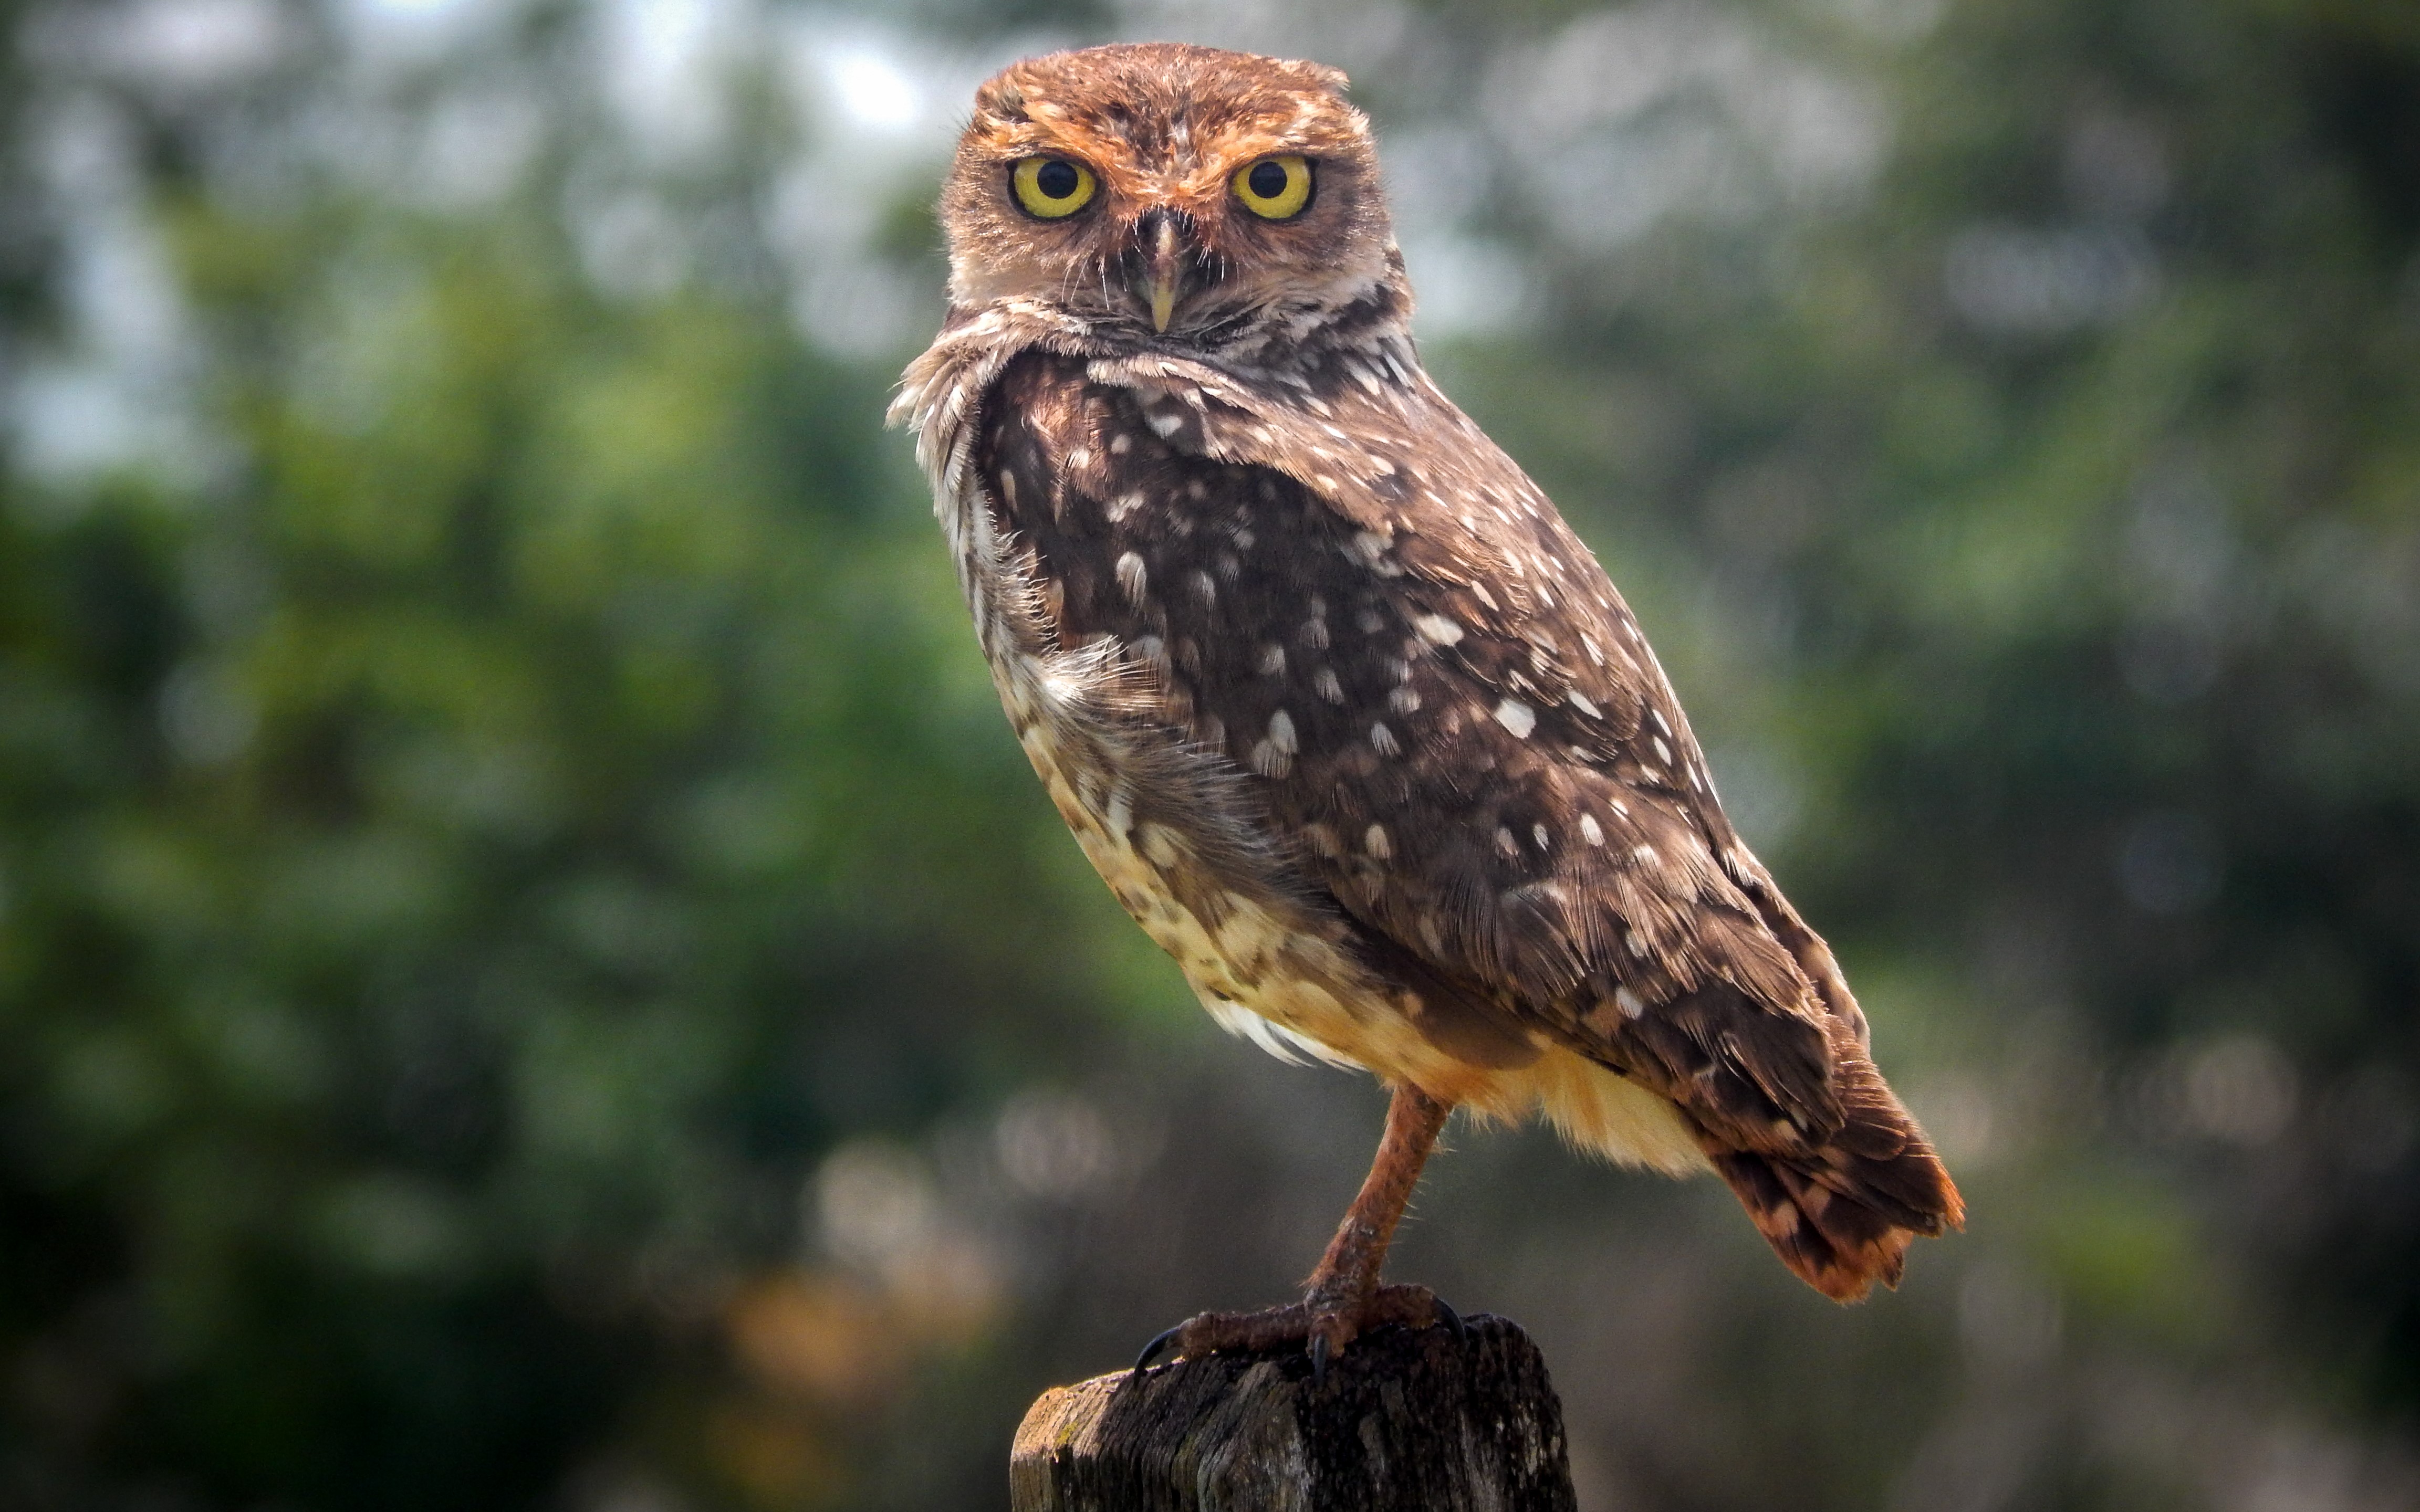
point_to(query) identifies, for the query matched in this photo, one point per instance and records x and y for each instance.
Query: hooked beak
(1164, 275)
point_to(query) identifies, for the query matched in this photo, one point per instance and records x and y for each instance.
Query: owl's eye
(1275, 189)
(1053, 187)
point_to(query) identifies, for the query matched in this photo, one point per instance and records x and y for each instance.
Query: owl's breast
(1117, 705)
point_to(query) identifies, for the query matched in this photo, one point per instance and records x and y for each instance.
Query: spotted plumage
(1350, 721)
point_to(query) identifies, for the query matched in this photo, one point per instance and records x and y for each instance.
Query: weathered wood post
(1406, 1421)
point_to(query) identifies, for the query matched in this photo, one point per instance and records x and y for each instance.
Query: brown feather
(1351, 720)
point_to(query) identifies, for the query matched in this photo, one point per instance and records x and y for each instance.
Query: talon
(1319, 1348)
(1152, 1352)
(1452, 1320)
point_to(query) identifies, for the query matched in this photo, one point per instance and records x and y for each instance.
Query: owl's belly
(1161, 833)
(1273, 970)
(1267, 965)
(1254, 961)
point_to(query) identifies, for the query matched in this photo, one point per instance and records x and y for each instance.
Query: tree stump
(1406, 1421)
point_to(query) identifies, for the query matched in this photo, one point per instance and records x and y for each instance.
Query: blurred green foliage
(464, 859)
(531, 974)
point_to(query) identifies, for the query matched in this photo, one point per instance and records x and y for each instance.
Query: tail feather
(1842, 1213)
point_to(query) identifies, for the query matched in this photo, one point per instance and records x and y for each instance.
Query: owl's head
(1168, 192)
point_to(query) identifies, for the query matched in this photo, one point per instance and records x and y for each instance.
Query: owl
(1348, 718)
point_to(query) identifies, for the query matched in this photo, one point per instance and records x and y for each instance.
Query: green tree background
(531, 974)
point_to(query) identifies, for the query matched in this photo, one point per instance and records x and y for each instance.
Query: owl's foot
(1326, 1322)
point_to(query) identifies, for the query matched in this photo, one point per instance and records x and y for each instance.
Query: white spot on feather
(1438, 628)
(1517, 716)
(1590, 830)
(1132, 579)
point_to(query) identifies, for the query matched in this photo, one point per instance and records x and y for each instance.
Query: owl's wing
(1547, 825)
(1354, 593)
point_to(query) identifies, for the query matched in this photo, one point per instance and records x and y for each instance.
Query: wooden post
(1406, 1421)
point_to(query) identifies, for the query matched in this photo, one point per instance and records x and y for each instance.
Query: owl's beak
(1166, 275)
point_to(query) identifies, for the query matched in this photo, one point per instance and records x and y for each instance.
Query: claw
(1159, 1343)
(1452, 1320)
(1319, 1348)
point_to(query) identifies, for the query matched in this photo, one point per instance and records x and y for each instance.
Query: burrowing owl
(1349, 719)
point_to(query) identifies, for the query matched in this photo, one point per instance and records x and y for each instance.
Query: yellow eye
(1053, 187)
(1275, 189)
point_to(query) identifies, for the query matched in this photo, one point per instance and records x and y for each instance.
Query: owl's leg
(1343, 1298)
(1344, 1293)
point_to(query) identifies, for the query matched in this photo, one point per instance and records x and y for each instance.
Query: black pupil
(1268, 180)
(1056, 179)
